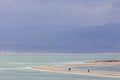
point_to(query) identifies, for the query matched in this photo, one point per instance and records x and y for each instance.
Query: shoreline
(57, 68)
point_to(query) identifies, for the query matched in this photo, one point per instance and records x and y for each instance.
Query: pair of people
(69, 69)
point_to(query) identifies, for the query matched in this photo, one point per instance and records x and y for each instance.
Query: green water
(18, 66)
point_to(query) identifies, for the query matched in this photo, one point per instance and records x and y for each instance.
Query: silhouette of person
(69, 69)
(88, 70)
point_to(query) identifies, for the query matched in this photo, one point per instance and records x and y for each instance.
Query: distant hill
(104, 38)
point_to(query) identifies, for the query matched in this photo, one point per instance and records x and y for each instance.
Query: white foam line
(15, 68)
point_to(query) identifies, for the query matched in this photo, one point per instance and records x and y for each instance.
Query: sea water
(18, 66)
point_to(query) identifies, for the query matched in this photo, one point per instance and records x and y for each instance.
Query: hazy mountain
(104, 38)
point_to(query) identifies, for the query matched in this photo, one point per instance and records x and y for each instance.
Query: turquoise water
(18, 66)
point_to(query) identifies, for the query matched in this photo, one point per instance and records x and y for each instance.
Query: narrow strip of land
(58, 68)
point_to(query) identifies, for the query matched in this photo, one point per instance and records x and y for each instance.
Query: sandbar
(59, 68)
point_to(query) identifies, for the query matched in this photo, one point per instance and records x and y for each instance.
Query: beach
(67, 68)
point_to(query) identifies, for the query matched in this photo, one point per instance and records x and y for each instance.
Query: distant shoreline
(57, 68)
(52, 52)
(59, 53)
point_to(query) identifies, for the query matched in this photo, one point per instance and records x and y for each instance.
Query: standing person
(69, 69)
(88, 70)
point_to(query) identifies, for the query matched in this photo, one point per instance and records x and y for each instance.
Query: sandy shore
(94, 63)
(58, 68)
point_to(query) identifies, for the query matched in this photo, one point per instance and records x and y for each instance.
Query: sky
(59, 12)
(30, 21)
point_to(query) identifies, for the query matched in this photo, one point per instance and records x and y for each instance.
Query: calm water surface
(18, 66)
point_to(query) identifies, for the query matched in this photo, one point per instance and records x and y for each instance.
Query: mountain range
(102, 38)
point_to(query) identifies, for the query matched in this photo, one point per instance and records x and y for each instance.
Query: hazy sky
(60, 25)
(58, 12)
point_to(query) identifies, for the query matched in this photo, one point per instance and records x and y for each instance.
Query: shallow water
(18, 66)
(110, 68)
